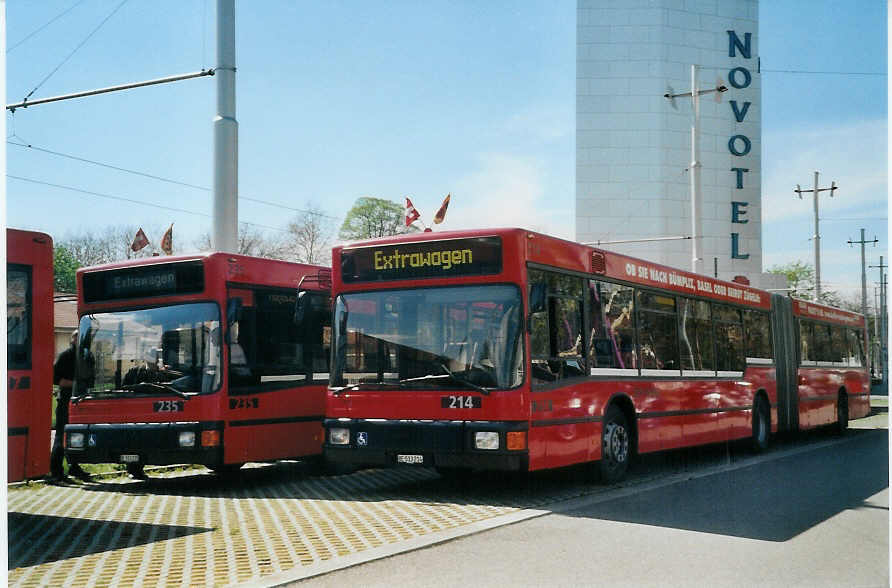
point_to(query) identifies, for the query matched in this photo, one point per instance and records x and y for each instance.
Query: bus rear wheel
(761, 425)
(616, 447)
(842, 414)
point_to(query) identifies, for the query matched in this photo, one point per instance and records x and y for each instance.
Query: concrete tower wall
(633, 148)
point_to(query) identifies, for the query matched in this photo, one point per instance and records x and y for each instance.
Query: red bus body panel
(29, 391)
(263, 426)
(565, 422)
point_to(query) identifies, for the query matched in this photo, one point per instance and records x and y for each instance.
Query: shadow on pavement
(35, 539)
(771, 501)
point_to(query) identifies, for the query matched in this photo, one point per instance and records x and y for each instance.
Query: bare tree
(309, 236)
(251, 241)
(107, 245)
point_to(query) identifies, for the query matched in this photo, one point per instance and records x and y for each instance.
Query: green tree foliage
(64, 268)
(801, 281)
(373, 217)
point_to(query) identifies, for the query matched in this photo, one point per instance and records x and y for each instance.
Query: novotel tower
(633, 145)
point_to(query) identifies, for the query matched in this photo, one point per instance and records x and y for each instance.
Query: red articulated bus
(506, 349)
(199, 360)
(29, 353)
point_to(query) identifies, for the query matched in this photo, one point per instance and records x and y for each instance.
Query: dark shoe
(78, 472)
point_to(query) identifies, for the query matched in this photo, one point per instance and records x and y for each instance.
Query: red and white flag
(411, 214)
(167, 241)
(441, 214)
(139, 241)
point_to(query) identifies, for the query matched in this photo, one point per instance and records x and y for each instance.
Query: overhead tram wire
(159, 178)
(76, 49)
(132, 200)
(45, 25)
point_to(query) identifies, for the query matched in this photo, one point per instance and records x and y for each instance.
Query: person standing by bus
(63, 376)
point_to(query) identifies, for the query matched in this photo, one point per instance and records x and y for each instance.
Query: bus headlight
(76, 440)
(486, 440)
(187, 438)
(339, 436)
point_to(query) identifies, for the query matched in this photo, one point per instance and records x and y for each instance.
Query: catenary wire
(161, 178)
(45, 25)
(81, 44)
(132, 200)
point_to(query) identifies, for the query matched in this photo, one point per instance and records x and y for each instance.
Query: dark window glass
(612, 338)
(806, 342)
(838, 344)
(18, 318)
(758, 334)
(823, 349)
(269, 348)
(855, 345)
(697, 350)
(556, 338)
(729, 349)
(657, 332)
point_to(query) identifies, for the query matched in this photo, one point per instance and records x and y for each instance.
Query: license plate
(413, 459)
(129, 458)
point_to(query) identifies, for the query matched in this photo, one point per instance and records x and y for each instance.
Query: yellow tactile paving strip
(195, 529)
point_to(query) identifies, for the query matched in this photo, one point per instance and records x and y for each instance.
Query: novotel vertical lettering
(739, 145)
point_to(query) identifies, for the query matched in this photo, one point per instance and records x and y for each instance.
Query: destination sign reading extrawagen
(424, 259)
(141, 281)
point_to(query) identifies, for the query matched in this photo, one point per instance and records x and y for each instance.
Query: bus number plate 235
(461, 402)
(167, 406)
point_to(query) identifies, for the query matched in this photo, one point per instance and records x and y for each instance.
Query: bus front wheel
(615, 446)
(842, 414)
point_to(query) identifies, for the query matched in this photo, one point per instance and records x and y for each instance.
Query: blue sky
(338, 100)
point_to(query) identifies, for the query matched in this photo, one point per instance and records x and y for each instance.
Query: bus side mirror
(300, 306)
(233, 310)
(233, 314)
(537, 297)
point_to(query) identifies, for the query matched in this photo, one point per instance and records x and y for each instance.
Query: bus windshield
(451, 337)
(172, 350)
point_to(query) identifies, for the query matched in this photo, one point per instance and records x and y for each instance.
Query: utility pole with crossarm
(816, 190)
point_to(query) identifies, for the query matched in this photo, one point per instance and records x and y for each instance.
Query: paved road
(271, 525)
(816, 518)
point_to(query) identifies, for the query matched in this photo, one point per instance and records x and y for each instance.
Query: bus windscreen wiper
(360, 385)
(463, 381)
(143, 386)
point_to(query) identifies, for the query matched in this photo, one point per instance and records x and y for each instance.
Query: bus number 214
(460, 402)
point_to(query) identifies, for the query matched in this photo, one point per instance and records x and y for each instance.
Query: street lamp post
(696, 197)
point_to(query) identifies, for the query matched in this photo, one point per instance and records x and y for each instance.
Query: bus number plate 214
(461, 402)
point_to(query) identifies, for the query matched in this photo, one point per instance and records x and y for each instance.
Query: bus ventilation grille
(599, 264)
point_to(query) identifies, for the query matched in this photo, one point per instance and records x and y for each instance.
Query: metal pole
(863, 278)
(817, 246)
(225, 233)
(696, 205)
(168, 79)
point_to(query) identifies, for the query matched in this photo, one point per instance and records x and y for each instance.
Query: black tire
(761, 425)
(137, 471)
(616, 446)
(842, 414)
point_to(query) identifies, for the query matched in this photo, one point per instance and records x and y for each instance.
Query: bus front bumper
(145, 443)
(441, 444)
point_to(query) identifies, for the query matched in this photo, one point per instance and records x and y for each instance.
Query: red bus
(199, 360)
(29, 353)
(507, 349)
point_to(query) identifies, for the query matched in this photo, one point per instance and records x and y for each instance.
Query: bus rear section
(29, 353)
(199, 360)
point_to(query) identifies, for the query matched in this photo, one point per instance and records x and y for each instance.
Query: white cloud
(505, 190)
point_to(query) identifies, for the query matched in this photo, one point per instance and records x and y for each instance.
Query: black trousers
(59, 442)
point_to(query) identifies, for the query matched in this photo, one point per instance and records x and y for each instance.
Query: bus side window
(695, 332)
(657, 331)
(556, 339)
(855, 342)
(729, 338)
(806, 343)
(757, 327)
